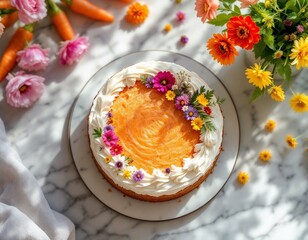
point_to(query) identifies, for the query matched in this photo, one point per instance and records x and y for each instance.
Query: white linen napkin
(24, 211)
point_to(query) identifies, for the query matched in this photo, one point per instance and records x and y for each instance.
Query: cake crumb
(109, 190)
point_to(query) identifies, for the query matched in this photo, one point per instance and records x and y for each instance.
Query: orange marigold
(243, 31)
(137, 13)
(222, 49)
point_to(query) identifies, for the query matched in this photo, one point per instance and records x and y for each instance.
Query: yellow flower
(108, 159)
(300, 53)
(299, 102)
(258, 77)
(265, 155)
(168, 27)
(127, 174)
(276, 93)
(243, 177)
(202, 100)
(137, 13)
(270, 125)
(291, 141)
(170, 95)
(197, 124)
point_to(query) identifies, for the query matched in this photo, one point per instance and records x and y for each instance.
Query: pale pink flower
(23, 89)
(30, 11)
(33, 58)
(206, 9)
(247, 3)
(1, 28)
(73, 50)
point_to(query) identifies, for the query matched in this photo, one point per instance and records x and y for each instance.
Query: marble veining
(274, 205)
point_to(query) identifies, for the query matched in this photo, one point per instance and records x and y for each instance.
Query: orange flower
(243, 32)
(222, 49)
(137, 13)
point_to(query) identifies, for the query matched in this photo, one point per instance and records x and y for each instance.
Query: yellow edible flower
(127, 174)
(168, 27)
(202, 100)
(276, 93)
(270, 125)
(197, 124)
(299, 102)
(108, 159)
(265, 155)
(170, 95)
(258, 77)
(243, 177)
(291, 141)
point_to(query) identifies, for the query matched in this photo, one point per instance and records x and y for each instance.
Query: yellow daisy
(276, 93)
(197, 124)
(300, 53)
(170, 95)
(270, 125)
(243, 177)
(168, 27)
(127, 174)
(202, 100)
(299, 102)
(265, 155)
(291, 141)
(259, 77)
(108, 159)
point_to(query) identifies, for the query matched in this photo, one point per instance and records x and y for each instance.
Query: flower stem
(53, 8)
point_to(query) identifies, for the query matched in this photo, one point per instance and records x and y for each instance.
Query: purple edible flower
(163, 81)
(287, 22)
(184, 39)
(108, 128)
(110, 138)
(168, 170)
(119, 164)
(138, 176)
(181, 101)
(149, 82)
(109, 114)
(191, 113)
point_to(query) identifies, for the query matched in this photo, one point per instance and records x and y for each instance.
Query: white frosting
(158, 183)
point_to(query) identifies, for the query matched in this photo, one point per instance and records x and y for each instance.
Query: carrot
(19, 40)
(127, 1)
(5, 4)
(63, 26)
(89, 10)
(9, 19)
(60, 21)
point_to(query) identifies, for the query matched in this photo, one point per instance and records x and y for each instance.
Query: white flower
(184, 108)
(175, 87)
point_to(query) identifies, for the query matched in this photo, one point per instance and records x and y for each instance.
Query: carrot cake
(155, 130)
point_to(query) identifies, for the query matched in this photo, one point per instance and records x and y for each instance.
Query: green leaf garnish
(97, 132)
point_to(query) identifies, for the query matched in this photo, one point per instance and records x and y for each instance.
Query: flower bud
(278, 54)
(293, 37)
(287, 22)
(267, 3)
(300, 28)
(286, 37)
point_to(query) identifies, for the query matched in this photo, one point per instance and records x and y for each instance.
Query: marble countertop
(273, 205)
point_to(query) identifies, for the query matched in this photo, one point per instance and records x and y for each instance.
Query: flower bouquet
(276, 32)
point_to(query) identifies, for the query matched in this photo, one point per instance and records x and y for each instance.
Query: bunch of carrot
(23, 35)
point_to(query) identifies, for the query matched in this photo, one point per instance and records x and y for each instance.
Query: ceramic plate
(112, 197)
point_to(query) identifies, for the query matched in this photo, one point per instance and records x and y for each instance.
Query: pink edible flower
(73, 50)
(33, 58)
(1, 28)
(180, 16)
(206, 9)
(23, 89)
(163, 81)
(116, 149)
(247, 3)
(30, 11)
(110, 138)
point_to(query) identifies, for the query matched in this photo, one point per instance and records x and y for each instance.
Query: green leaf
(220, 19)
(292, 16)
(259, 49)
(143, 79)
(97, 132)
(209, 94)
(290, 4)
(256, 93)
(237, 10)
(269, 39)
(284, 71)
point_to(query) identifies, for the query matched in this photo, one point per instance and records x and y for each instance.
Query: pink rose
(30, 11)
(1, 28)
(23, 89)
(73, 50)
(247, 3)
(206, 9)
(33, 58)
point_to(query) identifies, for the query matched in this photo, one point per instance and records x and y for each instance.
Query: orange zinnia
(137, 13)
(243, 32)
(222, 49)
